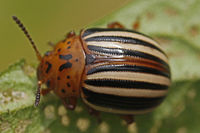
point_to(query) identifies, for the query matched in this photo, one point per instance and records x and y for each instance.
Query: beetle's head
(55, 68)
(45, 70)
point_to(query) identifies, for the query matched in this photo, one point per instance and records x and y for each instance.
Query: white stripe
(135, 47)
(118, 111)
(124, 34)
(134, 76)
(131, 92)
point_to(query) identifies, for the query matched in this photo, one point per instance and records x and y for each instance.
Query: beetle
(112, 69)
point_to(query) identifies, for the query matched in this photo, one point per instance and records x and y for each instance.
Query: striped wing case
(126, 72)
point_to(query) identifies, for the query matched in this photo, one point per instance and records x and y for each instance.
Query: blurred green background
(46, 20)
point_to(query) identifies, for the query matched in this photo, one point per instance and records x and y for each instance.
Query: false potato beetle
(112, 69)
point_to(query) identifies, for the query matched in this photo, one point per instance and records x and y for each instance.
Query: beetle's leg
(45, 91)
(128, 118)
(51, 44)
(94, 113)
(136, 24)
(71, 34)
(70, 103)
(115, 25)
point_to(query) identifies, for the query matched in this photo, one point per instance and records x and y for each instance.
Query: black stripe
(120, 102)
(65, 66)
(123, 40)
(95, 30)
(89, 58)
(48, 67)
(118, 51)
(124, 67)
(125, 84)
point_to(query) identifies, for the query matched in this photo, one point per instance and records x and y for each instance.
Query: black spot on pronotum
(68, 85)
(65, 57)
(68, 77)
(68, 42)
(69, 47)
(76, 60)
(59, 49)
(65, 66)
(58, 78)
(63, 90)
(48, 67)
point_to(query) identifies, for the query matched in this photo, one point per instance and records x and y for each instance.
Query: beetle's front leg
(94, 113)
(50, 44)
(45, 91)
(71, 34)
(70, 103)
(115, 25)
(136, 24)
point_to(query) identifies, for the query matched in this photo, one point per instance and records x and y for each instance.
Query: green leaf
(175, 24)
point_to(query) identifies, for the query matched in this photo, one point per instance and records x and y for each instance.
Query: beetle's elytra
(112, 69)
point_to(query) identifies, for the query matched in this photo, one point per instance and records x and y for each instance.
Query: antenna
(22, 27)
(37, 97)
